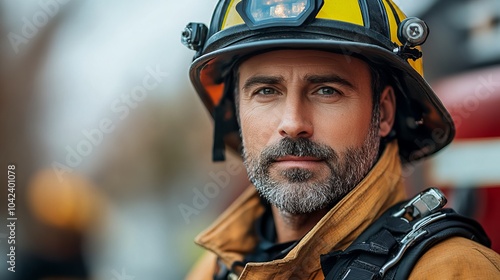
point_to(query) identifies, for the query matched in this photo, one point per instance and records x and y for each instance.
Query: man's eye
(327, 91)
(266, 91)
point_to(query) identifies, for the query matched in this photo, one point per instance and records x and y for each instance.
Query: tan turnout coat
(231, 236)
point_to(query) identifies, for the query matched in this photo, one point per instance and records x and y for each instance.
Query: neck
(290, 227)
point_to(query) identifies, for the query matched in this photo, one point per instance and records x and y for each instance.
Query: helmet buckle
(406, 52)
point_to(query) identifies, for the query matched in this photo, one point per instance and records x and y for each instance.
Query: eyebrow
(259, 80)
(314, 79)
(331, 78)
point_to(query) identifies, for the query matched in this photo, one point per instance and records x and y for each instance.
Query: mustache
(300, 147)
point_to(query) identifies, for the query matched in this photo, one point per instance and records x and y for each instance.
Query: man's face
(308, 131)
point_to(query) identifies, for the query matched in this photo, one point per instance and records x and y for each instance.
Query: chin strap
(224, 120)
(218, 150)
(225, 123)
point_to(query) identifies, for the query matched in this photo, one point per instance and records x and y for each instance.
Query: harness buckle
(423, 204)
(410, 238)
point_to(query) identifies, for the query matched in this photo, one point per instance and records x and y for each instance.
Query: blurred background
(112, 147)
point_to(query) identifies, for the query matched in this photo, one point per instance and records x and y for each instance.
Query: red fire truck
(468, 170)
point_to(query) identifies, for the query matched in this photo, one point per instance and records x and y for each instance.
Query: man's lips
(295, 161)
(296, 158)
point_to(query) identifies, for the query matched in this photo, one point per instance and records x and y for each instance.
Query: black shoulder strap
(391, 246)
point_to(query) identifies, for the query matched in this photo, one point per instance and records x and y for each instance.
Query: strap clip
(422, 205)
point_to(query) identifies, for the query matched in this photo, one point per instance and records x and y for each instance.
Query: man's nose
(295, 118)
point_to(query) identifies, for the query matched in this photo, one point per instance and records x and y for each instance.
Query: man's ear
(387, 111)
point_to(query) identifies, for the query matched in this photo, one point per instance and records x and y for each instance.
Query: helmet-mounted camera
(412, 32)
(194, 36)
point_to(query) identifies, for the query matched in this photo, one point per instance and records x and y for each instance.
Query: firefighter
(325, 100)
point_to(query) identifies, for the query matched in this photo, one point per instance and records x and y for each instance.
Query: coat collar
(232, 234)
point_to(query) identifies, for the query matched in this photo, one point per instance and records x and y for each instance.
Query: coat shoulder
(204, 268)
(458, 258)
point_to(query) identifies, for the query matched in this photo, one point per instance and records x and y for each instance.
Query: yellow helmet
(374, 30)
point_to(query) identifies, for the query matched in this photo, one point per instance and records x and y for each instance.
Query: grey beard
(301, 192)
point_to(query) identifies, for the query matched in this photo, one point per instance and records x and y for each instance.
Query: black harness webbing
(391, 246)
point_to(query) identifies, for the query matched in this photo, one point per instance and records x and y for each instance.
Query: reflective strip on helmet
(342, 10)
(232, 17)
(395, 16)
